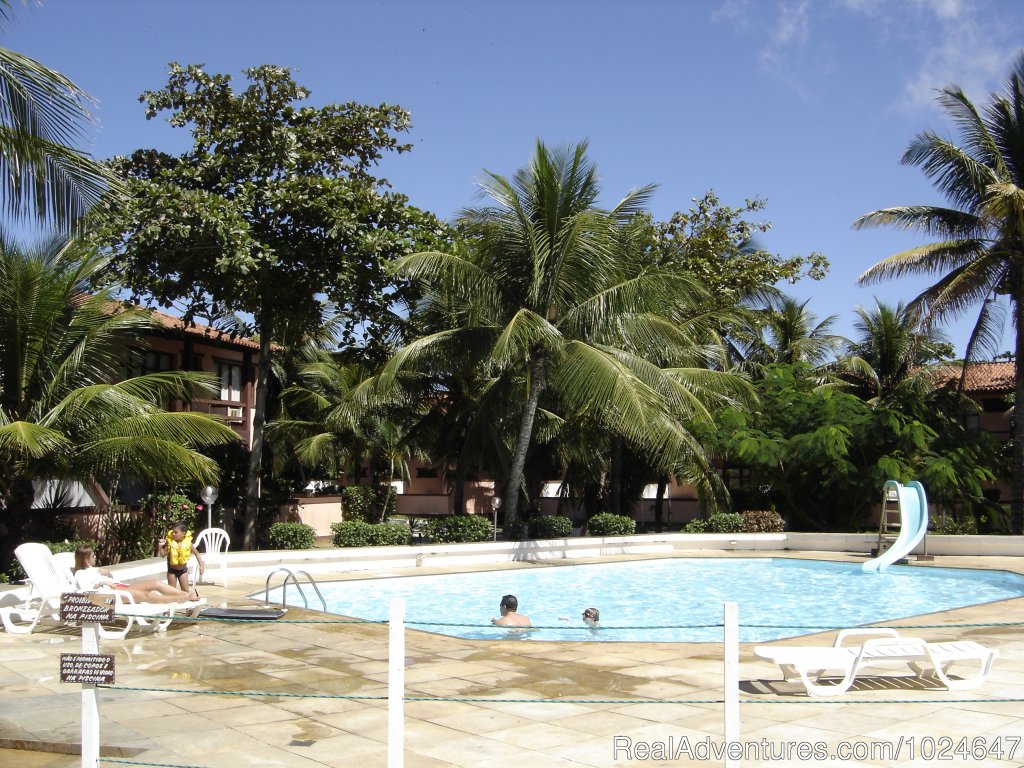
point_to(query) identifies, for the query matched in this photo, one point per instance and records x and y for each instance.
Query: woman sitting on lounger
(89, 577)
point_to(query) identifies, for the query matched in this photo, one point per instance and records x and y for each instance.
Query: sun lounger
(49, 579)
(882, 648)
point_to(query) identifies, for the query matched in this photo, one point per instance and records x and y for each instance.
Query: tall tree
(981, 251)
(272, 210)
(892, 352)
(42, 115)
(785, 332)
(60, 417)
(545, 288)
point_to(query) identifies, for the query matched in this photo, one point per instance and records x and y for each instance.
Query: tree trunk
(20, 495)
(659, 504)
(615, 478)
(259, 420)
(537, 383)
(1017, 419)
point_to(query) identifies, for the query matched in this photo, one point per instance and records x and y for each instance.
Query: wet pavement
(199, 695)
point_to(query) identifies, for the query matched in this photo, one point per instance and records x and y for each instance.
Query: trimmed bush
(291, 536)
(369, 503)
(455, 529)
(351, 533)
(390, 535)
(550, 527)
(725, 522)
(762, 521)
(607, 524)
(356, 533)
(697, 525)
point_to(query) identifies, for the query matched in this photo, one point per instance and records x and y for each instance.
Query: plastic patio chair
(213, 543)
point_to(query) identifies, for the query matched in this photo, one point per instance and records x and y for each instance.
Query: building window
(231, 387)
(426, 472)
(143, 361)
(230, 382)
(737, 478)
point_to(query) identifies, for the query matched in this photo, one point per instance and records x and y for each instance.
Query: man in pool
(509, 618)
(591, 616)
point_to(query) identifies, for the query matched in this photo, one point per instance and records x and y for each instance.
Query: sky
(805, 104)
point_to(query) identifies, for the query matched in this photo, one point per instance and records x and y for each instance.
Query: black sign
(86, 607)
(87, 668)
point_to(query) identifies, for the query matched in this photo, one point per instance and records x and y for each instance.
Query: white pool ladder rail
(292, 576)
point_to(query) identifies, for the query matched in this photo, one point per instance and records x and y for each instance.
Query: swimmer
(509, 617)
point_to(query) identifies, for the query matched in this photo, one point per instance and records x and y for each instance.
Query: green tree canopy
(820, 455)
(60, 417)
(555, 294)
(980, 251)
(42, 116)
(273, 210)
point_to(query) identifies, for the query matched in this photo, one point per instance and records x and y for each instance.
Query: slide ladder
(912, 505)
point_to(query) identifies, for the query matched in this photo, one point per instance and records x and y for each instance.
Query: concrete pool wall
(314, 561)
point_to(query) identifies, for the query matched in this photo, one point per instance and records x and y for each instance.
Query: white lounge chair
(49, 579)
(213, 543)
(811, 663)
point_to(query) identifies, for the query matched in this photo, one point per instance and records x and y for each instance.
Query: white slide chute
(913, 523)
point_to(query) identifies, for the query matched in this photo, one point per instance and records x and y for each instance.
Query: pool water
(652, 600)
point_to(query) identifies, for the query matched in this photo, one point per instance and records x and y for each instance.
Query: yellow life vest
(178, 552)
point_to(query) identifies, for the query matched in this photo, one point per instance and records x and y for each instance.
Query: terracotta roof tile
(984, 377)
(207, 332)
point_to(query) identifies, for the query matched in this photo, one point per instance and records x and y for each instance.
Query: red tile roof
(984, 377)
(205, 331)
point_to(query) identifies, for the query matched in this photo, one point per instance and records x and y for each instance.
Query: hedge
(291, 536)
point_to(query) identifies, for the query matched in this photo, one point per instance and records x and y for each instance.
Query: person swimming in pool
(510, 617)
(591, 616)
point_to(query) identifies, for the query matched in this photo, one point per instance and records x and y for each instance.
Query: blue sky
(807, 104)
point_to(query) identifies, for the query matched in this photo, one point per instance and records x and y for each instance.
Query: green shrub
(390, 535)
(166, 509)
(549, 527)
(356, 533)
(965, 525)
(725, 522)
(351, 533)
(291, 536)
(459, 528)
(607, 524)
(127, 536)
(697, 525)
(762, 521)
(369, 503)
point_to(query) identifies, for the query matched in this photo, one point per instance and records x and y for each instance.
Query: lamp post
(495, 503)
(209, 494)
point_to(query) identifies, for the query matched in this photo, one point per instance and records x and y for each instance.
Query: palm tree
(892, 352)
(42, 114)
(784, 331)
(980, 253)
(60, 417)
(548, 296)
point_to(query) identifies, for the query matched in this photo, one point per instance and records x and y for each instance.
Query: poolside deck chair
(49, 579)
(811, 663)
(215, 543)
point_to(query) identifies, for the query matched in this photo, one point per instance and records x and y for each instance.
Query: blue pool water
(648, 600)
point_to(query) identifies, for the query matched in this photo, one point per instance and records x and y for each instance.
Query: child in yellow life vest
(178, 547)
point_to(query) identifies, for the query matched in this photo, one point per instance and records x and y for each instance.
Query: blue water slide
(913, 507)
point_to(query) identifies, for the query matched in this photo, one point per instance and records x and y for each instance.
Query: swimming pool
(649, 600)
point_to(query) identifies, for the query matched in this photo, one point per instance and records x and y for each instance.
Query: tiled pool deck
(169, 724)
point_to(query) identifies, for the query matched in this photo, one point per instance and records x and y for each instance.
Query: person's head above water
(591, 614)
(509, 603)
